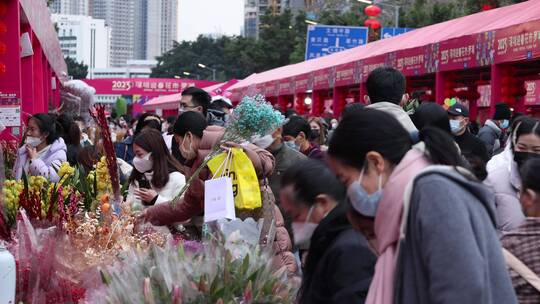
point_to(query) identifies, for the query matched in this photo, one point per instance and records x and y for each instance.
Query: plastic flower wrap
(213, 274)
(58, 263)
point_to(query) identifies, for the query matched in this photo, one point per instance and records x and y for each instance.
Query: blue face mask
(505, 123)
(291, 144)
(364, 203)
(455, 126)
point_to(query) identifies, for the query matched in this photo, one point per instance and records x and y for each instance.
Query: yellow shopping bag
(238, 166)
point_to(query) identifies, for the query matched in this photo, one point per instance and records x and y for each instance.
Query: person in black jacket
(339, 264)
(472, 148)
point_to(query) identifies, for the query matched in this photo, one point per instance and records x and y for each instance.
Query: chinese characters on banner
(532, 98)
(518, 43)
(144, 86)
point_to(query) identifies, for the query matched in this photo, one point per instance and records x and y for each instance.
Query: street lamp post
(189, 74)
(395, 7)
(202, 66)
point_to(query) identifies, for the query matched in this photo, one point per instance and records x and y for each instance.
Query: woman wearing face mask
(339, 264)
(196, 140)
(297, 135)
(505, 180)
(318, 130)
(449, 250)
(156, 178)
(43, 151)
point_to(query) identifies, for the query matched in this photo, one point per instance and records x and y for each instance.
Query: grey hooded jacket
(490, 134)
(449, 249)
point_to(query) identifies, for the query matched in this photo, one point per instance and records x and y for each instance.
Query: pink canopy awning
(169, 102)
(485, 22)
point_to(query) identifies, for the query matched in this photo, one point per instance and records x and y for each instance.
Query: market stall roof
(469, 25)
(37, 15)
(171, 101)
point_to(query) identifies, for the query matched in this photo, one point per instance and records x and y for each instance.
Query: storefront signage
(10, 116)
(144, 86)
(532, 98)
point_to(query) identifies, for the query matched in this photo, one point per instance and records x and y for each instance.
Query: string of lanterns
(372, 11)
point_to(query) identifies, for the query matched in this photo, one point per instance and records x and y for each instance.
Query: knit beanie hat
(502, 111)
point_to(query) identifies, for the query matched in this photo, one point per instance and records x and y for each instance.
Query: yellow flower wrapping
(246, 189)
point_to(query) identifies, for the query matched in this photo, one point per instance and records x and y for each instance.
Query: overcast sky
(197, 17)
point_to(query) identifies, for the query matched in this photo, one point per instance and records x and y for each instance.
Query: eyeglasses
(186, 106)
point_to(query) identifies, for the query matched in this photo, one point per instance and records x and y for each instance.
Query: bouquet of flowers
(57, 264)
(9, 152)
(41, 199)
(226, 269)
(253, 116)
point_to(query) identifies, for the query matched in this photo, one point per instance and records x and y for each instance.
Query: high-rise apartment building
(84, 39)
(141, 29)
(122, 17)
(254, 9)
(70, 7)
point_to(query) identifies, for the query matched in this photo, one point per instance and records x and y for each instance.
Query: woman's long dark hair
(525, 125)
(47, 124)
(152, 141)
(373, 130)
(70, 132)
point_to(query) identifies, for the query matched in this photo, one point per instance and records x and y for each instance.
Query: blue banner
(323, 40)
(389, 32)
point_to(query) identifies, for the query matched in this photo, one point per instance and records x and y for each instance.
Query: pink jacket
(47, 165)
(387, 226)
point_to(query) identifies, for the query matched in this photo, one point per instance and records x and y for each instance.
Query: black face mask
(315, 134)
(521, 157)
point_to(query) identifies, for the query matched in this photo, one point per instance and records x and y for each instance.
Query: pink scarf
(387, 224)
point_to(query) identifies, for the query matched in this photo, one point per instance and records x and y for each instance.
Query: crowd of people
(379, 206)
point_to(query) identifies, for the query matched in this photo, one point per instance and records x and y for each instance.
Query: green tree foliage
(75, 69)
(121, 106)
(282, 37)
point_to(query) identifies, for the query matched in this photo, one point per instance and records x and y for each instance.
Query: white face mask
(143, 164)
(303, 231)
(263, 142)
(33, 141)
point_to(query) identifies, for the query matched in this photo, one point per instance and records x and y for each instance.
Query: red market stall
(167, 105)
(485, 58)
(32, 65)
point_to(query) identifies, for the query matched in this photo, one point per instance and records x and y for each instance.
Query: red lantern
(2, 68)
(373, 23)
(372, 10)
(3, 48)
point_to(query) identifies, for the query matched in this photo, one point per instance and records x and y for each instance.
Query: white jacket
(176, 182)
(503, 159)
(397, 112)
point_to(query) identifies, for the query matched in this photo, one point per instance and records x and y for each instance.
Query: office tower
(121, 16)
(70, 7)
(84, 39)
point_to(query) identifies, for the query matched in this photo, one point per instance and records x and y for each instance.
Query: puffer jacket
(397, 112)
(505, 182)
(192, 204)
(46, 165)
(490, 134)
